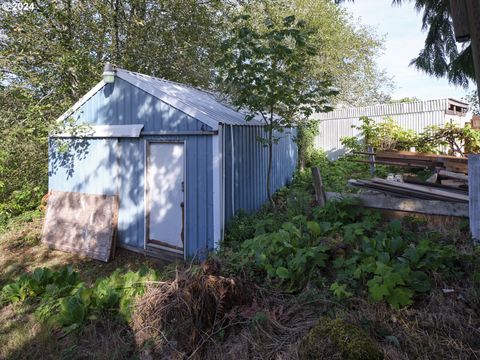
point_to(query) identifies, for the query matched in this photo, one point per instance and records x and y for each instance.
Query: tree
(440, 56)
(348, 49)
(263, 72)
(53, 54)
(472, 99)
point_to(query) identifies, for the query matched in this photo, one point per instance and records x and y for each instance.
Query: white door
(165, 189)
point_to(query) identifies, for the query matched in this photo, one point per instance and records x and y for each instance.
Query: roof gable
(199, 104)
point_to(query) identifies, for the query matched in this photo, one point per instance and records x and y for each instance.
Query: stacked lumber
(419, 160)
(420, 191)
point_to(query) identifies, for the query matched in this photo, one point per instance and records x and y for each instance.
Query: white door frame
(146, 194)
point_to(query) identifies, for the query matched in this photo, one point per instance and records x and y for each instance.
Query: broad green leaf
(283, 272)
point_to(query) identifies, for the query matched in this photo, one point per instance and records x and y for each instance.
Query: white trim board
(105, 131)
(81, 101)
(216, 159)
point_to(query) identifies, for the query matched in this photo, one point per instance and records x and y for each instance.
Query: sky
(401, 26)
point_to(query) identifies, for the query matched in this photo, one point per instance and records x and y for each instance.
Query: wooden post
(474, 196)
(320, 197)
(372, 161)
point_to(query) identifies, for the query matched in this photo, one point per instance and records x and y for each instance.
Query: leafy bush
(64, 300)
(451, 137)
(349, 246)
(392, 263)
(388, 135)
(384, 135)
(291, 254)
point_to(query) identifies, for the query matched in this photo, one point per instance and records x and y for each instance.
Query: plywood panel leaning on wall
(80, 223)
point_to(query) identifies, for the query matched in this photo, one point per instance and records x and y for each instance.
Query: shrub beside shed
(181, 161)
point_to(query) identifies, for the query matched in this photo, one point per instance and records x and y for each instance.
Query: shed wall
(110, 166)
(121, 103)
(250, 167)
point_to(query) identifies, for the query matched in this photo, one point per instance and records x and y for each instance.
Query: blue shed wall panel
(121, 103)
(250, 160)
(131, 192)
(88, 167)
(112, 166)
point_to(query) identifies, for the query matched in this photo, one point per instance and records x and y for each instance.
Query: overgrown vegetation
(347, 249)
(62, 299)
(388, 135)
(285, 282)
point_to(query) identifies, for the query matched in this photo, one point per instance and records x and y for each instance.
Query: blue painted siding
(117, 166)
(131, 192)
(121, 103)
(124, 159)
(90, 172)
(250, 167)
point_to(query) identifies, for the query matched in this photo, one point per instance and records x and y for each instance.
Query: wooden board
(453, 175)
(418, 206)
(456, 166)
(423, 189)
(421, 156)
(83, 224)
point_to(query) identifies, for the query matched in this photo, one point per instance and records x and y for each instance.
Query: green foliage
(388, 135)
(291, 254)
(263, 72)
(335, 174)
(348, 49)
(456, 139)
(473, 101)
(385, 135)
(306, 132)
(341, 245)
(66, 301)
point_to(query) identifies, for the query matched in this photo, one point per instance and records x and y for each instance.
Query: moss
(336, 339)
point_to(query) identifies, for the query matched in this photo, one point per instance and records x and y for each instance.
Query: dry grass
(177, 318)
(22, 251)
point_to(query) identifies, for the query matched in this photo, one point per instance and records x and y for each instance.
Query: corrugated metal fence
(416, 116)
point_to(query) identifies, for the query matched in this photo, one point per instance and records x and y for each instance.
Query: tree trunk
(269, 169)
(116, 33)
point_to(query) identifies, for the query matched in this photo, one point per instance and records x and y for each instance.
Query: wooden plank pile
(419, 160)
(410, 190)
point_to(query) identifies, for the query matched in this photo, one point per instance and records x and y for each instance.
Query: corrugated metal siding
(250, 167)
(123, 104)
(416, 116)
(386, 109)
(90, 172)
(206, 103)
(107, 158)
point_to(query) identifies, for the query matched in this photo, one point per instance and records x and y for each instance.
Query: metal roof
(199, 104)
(202, 105)
(391, 109)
